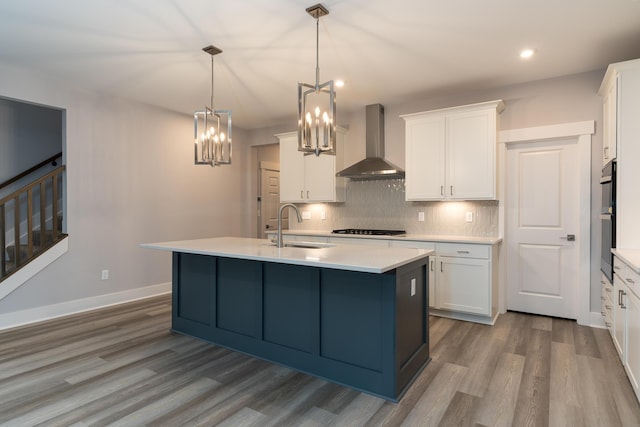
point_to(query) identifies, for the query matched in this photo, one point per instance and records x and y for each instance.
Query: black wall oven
(608, 218)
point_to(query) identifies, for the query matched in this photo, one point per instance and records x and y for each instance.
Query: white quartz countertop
(631, 257)
(368, 259)
(411, 237)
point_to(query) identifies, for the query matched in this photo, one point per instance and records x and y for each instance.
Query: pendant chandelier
(317, 106)
(212, 129)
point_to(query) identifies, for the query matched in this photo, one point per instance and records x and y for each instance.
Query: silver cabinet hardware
(432, 265)
(630, 280)
(441, 266)
(569, 237)
(603, 298)
(608, 289)
(616, 267)
(608, 307)
(621, 295)
(302, 194)
(452, 190)
(307, 194)
(463, 252)
(442, 190)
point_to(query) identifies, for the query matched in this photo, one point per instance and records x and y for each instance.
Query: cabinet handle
(608, 289)
(307, 194)
(451, 190)
(608, 307)
(630, 281)
(620, 297)
(616, 267)
(301, 194)
(603, 298)
(432, 265)
(622, 294)
(608, 324)
(463, 251)
(441, 267)
(442, 190)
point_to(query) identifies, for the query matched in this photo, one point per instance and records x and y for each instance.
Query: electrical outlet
(105, 275)
(413, 287)
(323, 215)
(469, 216)
(306, 214)
(420, 216)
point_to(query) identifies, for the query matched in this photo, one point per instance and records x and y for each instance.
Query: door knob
(569, 238)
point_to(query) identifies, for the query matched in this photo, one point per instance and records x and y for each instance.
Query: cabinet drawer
(618, 266)
(463, 250)
(628, 275)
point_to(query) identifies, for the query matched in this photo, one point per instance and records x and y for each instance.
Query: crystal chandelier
(317, 106)
(212, 144)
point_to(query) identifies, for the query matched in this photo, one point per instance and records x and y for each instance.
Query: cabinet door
(319, 178)
(633, 339)
(619, 317)
(609, 135)
(471, 148)
(425, 158)
(464, 285)
(291, 169)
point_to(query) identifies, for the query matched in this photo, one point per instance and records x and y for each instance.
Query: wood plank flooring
(122, 366)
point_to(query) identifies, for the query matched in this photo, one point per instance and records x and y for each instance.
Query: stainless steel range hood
(374, 166)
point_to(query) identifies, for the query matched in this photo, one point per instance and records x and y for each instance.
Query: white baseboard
(24, 317)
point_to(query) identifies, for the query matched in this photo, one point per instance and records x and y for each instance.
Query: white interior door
(270, 201)
(543, 213)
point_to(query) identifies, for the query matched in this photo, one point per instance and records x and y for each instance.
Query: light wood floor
(122, 366)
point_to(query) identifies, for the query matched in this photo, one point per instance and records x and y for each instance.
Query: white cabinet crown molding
(547, 132)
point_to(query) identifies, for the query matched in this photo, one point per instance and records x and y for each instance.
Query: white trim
(563, 130)
(21, 276)
(23, 317)
(582, 131)
(269, 165)
(596, 320)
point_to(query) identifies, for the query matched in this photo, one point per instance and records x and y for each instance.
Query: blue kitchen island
(354, 315)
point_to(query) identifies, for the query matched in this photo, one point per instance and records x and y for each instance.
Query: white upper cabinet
(307, 178)
(620, 90)
(609, 92)
(451, 153)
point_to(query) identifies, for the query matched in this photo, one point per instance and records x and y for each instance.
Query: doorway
(269, 199)
(547, 220)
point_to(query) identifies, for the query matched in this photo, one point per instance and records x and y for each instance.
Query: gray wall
(130, 179)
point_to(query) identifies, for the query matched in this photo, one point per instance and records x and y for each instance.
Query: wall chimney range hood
(374, 166)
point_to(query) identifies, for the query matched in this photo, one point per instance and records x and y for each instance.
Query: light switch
(413, 287)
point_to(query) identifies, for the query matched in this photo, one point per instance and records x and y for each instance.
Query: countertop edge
(309, 259)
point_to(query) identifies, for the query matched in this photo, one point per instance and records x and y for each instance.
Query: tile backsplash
(382, 204)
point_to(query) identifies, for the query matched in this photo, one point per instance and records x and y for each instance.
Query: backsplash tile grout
(381, 204)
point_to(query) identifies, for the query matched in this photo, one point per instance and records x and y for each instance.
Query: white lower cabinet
(626, 320)
(633, 340)
(463, 285)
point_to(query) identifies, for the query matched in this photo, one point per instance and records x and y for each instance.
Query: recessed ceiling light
(339, 83)
(527, 53)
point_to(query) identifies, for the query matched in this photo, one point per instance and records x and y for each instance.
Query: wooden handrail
(30, 170)
(26, 194)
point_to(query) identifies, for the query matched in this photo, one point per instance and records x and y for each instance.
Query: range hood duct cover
(374, 166)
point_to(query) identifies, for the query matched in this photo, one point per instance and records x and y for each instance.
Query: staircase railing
(38, 238)
(32, 169)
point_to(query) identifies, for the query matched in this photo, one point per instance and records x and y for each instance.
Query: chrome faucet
(290, 205)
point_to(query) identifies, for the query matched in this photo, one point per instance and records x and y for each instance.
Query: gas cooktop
(370, 232)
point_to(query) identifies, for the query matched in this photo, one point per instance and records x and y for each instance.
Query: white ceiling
(386, 51)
